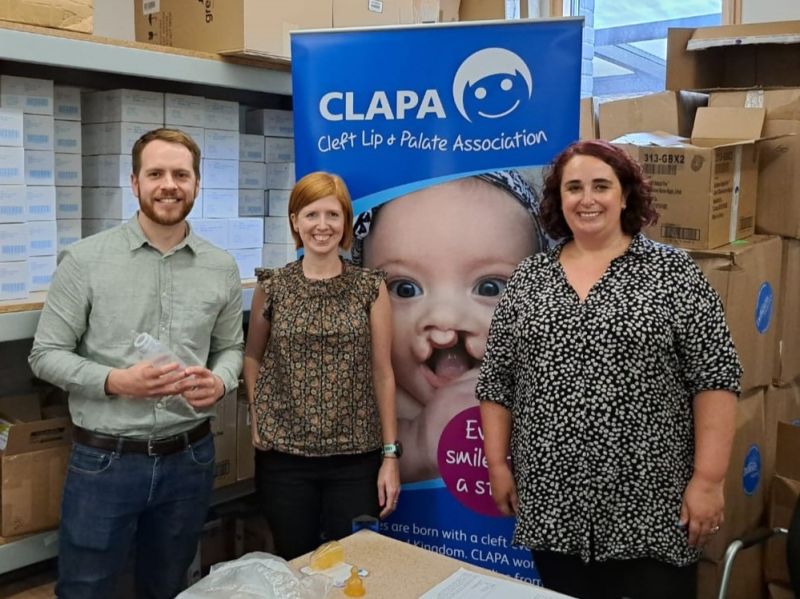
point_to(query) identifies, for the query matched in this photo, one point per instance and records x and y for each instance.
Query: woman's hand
(504, 489)
(388, 485)
(703, 509)
(254, 436)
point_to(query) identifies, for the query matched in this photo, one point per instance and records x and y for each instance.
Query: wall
(114, 18)
(755, 11)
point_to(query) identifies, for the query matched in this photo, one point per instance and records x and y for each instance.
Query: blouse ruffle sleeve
(372, 284)
(264, 281)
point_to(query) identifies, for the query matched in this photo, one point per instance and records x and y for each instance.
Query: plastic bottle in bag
(151, 349)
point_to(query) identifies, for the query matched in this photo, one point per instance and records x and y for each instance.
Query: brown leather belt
(152, 447)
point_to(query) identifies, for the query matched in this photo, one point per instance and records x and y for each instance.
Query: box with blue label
(40, 167)
(107, 170)
(273, 123)
(198, 134)
(40, 272)
(747, 276)
(68, 170)
(744, 482)
(67, 136)
(252, 175)
(247, 259)
(38, 131)
(252, 202)
(31, 96)
(67, 103)
(276, 255)
(183, 110)
(40, 203)
(67, 232)
(222, 114)
(220, 174)
(277, 230)
(11, 127)
(42, 238)
(12, 165)
(117, 203)
(91, 226)
(221, 144)
(280, 176)
(13, 242)
(123, 105)
(245, 233)
(251, 147)
(12, 203)
(278, 202)
(220, 203)
(13, 280)
(278, 149)
(213, 230)
(113, 138)
(68, 203)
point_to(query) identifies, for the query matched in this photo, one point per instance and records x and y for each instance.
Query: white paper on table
(338, 573)
(464, 584)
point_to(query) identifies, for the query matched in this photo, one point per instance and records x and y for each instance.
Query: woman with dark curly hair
(611, 377)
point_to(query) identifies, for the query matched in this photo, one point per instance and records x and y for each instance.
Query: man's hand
(201, 388)
(144, 380)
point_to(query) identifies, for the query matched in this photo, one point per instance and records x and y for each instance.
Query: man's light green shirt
(113, 285)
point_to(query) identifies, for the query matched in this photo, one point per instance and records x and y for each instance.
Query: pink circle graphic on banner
(462, 462)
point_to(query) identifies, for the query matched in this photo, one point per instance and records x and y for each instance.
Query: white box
(221, 144)
(42, 238)
(67, 137)
(68, 202)
(90, 226)
(222, 114)
(12, 203)
(40, 272)
(213, 230)
(112, 138)
(115, 203)
(13, 280)
(69, 169)
(244, 233)
(278, 149)
(198, 135)
(220, 174)
(67, 232)
(31, 96)
(252, 175)
(197, 206)
(38, 131)
(276, 255)
(274, 123)
(277, 230)
(67, 103)
(280, 176)
(11, 121)
(247, 260)
(40, 166)
(40, 203)
(13, 242)
(220, 203)
(107, 170)
(12, 165)
(123, 105)
(252, 202)
(278, 202)
(251, 147)
(184, 111)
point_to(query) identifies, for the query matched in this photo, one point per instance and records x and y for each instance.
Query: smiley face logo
(491, 83)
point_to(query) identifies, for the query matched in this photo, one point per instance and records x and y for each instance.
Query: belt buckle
(150, 448)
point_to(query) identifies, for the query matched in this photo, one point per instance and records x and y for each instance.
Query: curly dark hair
(636, 188)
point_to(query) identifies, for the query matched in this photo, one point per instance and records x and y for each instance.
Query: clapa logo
(491, 83)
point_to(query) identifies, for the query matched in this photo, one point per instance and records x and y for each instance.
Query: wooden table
(397, 570)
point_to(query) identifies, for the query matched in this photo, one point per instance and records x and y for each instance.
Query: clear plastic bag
(257, 575)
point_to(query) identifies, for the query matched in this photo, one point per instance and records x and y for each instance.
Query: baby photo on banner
(436, 130)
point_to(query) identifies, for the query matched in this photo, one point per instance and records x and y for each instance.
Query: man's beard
(149, 211)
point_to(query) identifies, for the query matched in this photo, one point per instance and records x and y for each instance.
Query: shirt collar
(137, 238)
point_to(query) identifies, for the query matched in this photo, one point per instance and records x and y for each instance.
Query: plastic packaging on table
(149, 348)
(257, 575)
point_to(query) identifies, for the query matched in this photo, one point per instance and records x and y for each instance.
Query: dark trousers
(308, 500)
(615, 579)
(115, 503)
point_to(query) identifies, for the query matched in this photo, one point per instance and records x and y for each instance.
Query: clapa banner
(433, 128)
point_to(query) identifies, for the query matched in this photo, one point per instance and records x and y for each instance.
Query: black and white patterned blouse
(601, 395)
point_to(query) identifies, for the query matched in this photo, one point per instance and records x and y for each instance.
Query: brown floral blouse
(314, 394)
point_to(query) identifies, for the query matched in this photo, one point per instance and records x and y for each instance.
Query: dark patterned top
(314, 394)
(601, 395)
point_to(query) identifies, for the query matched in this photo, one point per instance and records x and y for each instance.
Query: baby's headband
(507, 180)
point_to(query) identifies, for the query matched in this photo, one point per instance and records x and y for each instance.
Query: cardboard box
(13, 242)
(747, 576)
(67, 137)
(213, 230)
(40, 203)
(91, 226)
(40, 272)
(238, 27)
(14, 280)
(787, 358)
(277, 230)
(245, 452)
(223, 427)
(12, 203)
(72, 15)
(704, 188)
(278, 202)
(221, 144)
(269, 122)
(776, 591)
(276, 255)
(371, 13)
(31, 96)
(32, 467)
(784, 496)
(40, 167)
(247, 259)
(42, 238)
(222, 114)
(123, 105)
(251, 147)
(116, 203)
(67, 232)
(38, 131)
(245, 233)
(734, 56)
(113, 138)
(220, 203)
(744, 481)
(252, 202)
(11, 122)
(184, 111)
(588, 119)
(69, 203)
(669, 111)
(278, 149)
(252, 175)
(436, 11)
(68, 170)
(280, 176)
(485, 10)
(780, 104)
(198, 135)
(782, 404)
(747, 277)
(219, 174)
(67, 103)
(12, 165)
(107, 170)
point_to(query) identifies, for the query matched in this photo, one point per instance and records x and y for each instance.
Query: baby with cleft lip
(448, 251)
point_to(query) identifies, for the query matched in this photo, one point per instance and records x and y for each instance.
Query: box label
(151, 6)
(764, 304)
(375, 6)
(751, 473)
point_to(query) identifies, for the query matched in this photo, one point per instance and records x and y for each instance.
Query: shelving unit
(101, 63)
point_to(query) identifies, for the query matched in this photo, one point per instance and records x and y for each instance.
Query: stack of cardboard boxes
(727, 188)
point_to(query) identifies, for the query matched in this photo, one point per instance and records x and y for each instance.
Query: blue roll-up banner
(409, 117)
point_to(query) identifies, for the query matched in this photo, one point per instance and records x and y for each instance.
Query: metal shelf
(107, 57)
(44, 545)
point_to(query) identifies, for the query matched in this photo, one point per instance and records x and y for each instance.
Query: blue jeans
(117, 503)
